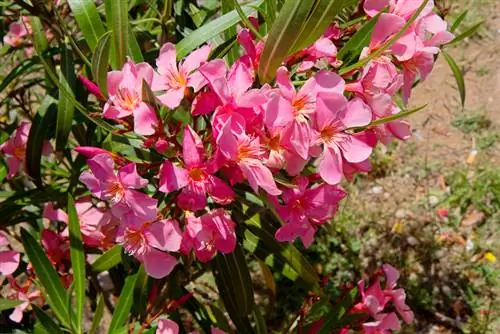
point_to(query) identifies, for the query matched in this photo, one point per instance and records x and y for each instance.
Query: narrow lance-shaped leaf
(117, 15)
(282, 36)
(107, 260)
(458, 21)
(47, 322)
(211, 29)
(141, 291)
(457, 73)
(124, 305)
(245, 19)
(47, 275)
(88, 20)
(99, 311)
(45, 119)
(77, 262)
(467, 33)
(134, 49)
(65, 108)
(232, 54)
(100, 60)
(7, 304)
(321, 16)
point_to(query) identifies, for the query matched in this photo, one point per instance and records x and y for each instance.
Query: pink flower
(167, 326)
(196, 179)
(212, 232)
(9, 259)
(15, 149)
(232, 90)
(245, 152)
(173, 79)
(333, 116)
(125, 97)
(402, 8)
(18, 32)
(305, 208)
(299, 106)
(17, 314)
(91, 87)
(55, 245)
(119, 189)
(150, 242)
(97, 224)
(385, 323)
(253, 50)
(322, 49)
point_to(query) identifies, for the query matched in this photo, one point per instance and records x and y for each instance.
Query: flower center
(327, 135)
(134, 241)
(176, 79)
(274, 143)
(19, 152)
(246, 151)
(127, 99)
(114, 191)
(197, 174)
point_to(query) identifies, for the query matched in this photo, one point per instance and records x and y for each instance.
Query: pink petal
(197, 81)
(167, 326)
(399, 129)
(220, 192)
(329, 82)
(9, 261)
(195, 59)
(240, 79)
(205, 103)
(330, 166)
(90, 151)
(102, 166)
(172, 177)
(165, 235)
(299, 136)
(14, 166)
(252, 98)
(129, 178)
(166, 61)
(158, 264)
(329, 108)
(193, 197)
(51, 213)
(405, 47)
(92, 183)
(259, 175)
(358, 114)
(373, 7)
(192, 148)
(142, 205)
(386, 26)
(113, 81)
(17, 314)
(172, 97)
(391, 276)
(285, 85)
(278, 112)
(145, 120)
(226, 239)
(354, 149)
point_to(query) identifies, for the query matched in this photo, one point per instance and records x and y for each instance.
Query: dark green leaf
(44, 119)
(260, 322)
(65, 108)
(99, 311)
(210, 30)
(87, 18)
(282, 37)
(352, 49)
(245, 20)
(124, 304)
(7, 304)
(235, 287)
(46, 321)
(100, 60)
(232, 53)
(320, 17)
(77, 262)
(134, 50)
(47, 275)
(141, 291)
(107, 260)
(457, 73)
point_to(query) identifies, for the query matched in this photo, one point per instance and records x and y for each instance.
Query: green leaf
(7, 304)
(134, 50)
(46, 321)
(211, 29)
(457, 73)
(467, 33)
(459, 20)
(233, 52)
(352, 49)
(100, 60)
(223, 49)
(117, 13)
(124, 304)
(271, 10)
(260, 322)
(99, 312)
(245, 20)
(141, 291)
(235, 287)
(40, 40)
(65, 108)
(87, 18)
(48, 277)
(108, 260)
(282, 36)
(77, 262)
(393, 117)
(320, 17)
(44, 120)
